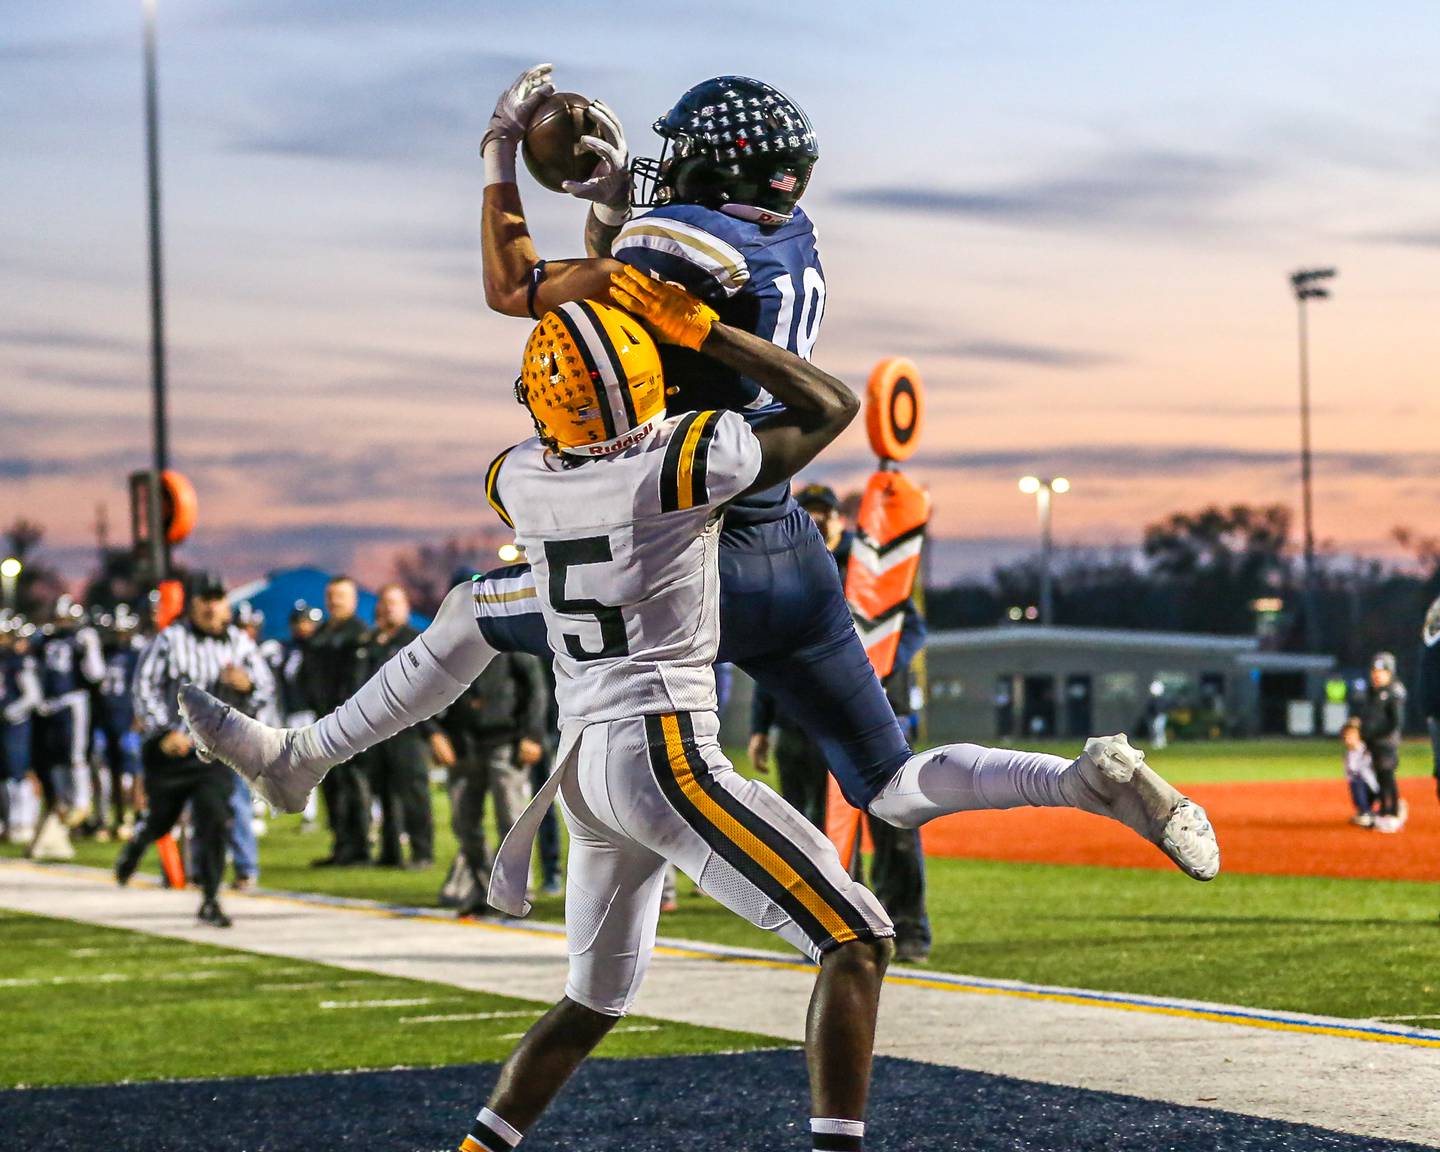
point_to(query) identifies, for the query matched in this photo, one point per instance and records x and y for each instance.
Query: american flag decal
(785, 182)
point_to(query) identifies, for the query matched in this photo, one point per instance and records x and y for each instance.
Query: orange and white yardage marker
(885, 552)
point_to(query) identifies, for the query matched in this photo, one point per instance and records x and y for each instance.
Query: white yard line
(466, 1017)
(1341, 1074)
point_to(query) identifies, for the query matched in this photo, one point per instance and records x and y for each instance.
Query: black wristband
(537, 275)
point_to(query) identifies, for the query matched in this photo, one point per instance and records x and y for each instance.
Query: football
(552, 142)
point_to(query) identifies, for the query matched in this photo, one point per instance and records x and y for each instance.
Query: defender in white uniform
(624, 553)
(618, 507)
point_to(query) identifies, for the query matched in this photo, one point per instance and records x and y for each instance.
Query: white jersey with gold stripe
(623, 550)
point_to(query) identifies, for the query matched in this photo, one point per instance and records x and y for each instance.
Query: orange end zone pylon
(170, 862)
(885, 552)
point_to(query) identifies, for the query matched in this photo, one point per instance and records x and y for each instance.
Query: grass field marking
(1237, 1016)
(458, 1017)
(38, 981)
(1079, 997)
(406, 1002)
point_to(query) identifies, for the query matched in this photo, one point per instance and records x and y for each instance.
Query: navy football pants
(784, 621)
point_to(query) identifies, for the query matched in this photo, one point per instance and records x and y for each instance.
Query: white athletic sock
(490, 1133)
(836, 1135)
(425, 676)
(969, 778)
(411, 686)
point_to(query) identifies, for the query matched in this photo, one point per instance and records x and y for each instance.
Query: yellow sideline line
(1244, 1021)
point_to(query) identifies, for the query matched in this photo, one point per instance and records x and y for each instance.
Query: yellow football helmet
(591, 379)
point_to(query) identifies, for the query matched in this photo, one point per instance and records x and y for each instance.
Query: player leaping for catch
(725, 223)
(783, 613)
(620, 514)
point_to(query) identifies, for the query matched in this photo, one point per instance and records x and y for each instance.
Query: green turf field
(87, 1005)
(1353, 948)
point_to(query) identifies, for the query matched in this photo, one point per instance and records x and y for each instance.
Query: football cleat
(1116, 782)
(261, 754)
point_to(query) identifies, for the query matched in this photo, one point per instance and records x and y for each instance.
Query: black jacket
(1430, 680)
(1382, 716)
(507, 703)
(332, 667)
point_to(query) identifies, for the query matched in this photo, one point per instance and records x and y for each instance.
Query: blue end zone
(748, 1101)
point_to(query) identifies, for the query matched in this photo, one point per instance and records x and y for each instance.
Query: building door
(1005, 687)
(1039, 707)
(1277, 689)
(1079, 714)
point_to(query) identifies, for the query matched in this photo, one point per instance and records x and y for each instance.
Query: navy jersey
(767, 281)
(115, 698)
(58, 656)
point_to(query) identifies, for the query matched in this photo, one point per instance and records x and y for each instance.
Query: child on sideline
(1360, 775)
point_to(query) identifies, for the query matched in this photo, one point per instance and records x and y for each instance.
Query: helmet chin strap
(756, 215)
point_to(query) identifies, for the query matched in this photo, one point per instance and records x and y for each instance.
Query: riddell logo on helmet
(629, 440)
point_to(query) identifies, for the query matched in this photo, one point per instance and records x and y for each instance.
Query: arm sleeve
(682, 253)
(92, 656)
(31, 694)
(150, 691)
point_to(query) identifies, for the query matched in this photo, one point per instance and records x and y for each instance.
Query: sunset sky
(1078, 219)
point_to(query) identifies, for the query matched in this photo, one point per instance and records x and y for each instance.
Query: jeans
(244, 850)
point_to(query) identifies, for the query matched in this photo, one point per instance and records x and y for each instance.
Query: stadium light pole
(1308, 284)
(161, 442)
(1044, 489)
(10, 569)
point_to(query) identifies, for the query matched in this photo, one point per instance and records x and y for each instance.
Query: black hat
(818, 496)
(303, 611)
(205, 586)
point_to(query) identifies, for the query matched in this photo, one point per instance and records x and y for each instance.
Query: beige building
(1036, 682)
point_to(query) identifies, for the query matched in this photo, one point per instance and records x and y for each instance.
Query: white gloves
(510, 119)
(608, 188)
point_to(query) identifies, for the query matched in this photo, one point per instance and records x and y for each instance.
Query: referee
(206, 650)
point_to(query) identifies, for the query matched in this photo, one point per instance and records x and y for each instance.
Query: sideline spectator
(204, 649)
(491, 738)
(304, 621)
(20, 695)
(122, 645)
(1430, 683)
(246, 824)
(1360, 775)
(330, 671)
(70, 663)
(399, 768)
(1382, 717)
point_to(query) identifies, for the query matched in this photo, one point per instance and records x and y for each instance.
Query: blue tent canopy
(277, 593)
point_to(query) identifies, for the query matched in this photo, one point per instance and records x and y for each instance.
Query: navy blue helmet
(730, 143)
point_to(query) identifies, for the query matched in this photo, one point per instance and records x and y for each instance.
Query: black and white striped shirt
(182, 654)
